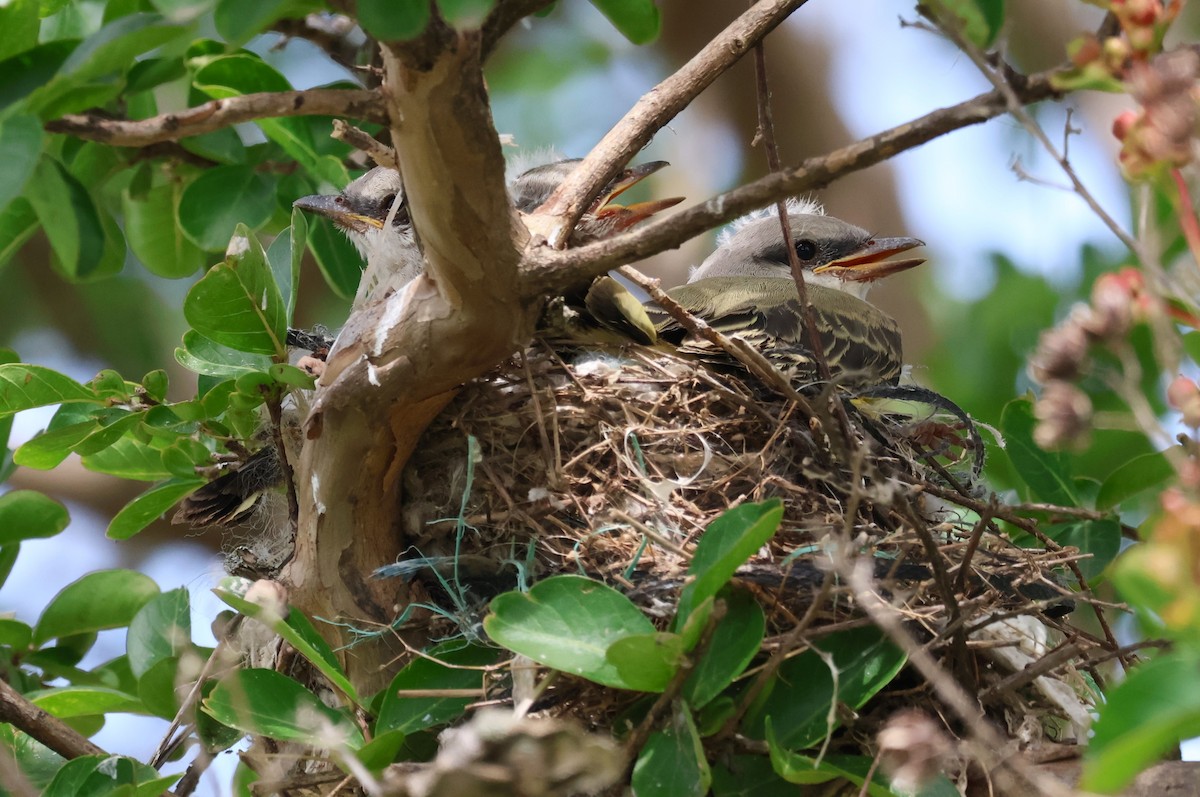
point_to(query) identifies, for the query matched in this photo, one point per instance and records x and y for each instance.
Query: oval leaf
(100, 600)
(568, 623)
(216, 202)
(27, 515)
(149, 507)
(725, 546)
(266, 703)
(237, 303)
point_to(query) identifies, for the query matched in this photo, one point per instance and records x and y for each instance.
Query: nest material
(613, 464)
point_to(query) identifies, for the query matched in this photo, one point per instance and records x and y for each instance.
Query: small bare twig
(376, 150)
(218, 114)
(547, 271)
(655, 109)
(988, 744)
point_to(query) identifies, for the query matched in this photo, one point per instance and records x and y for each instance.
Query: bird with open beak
(373, 213)
(745, 288)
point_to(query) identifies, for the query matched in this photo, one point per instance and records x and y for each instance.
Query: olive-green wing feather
(861, 344)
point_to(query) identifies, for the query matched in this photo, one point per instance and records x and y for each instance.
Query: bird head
(362, 211)
(604, 217)
(832, 252)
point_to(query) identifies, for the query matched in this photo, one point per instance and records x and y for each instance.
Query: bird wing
(861, 343)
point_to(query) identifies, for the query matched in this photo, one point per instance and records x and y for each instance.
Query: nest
(612, 465)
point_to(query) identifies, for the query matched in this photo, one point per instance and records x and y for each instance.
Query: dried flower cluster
(1064, 411)
(1163, 132)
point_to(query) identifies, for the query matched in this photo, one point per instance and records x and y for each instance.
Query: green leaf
(156, 688)
(25, 75)
(204, 356)
(798, 698)
(451, 665)
(1100, 538)
(237, 303)
(19, 25)
(1048, 474)
(83, 701)
(1133, 477)
(265, 703)
(567, 622)
(382, 750)
(23, 387)
(88, 76)
(300, 634)
(980, 20)
(243, 73)
(220, 200)
(646, 662)
(69, 218)
(637, 20)
(115, 46)
(130, 459)
(749, 776)
(393, 20)
(27, 515)
(336, 257)
(21, 143)
(1151, 711)
(18, 223)
(155, 236)
(239, 22)
(113, 776)
(285, 255)
(672, 764)
(725, 546)
(149, 507)
(161, 629)
(797, 768)
(15, 634)
(100, 600)
(734, 644)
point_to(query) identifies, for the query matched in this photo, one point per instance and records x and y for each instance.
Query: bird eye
(806, 249)
(386, 202)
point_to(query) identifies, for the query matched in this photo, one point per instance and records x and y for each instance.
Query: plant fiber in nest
(612, 464)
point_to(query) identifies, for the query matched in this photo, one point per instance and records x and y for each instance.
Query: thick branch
(658, 107)
(16, 710)
(549, 271)
(400, 358)
(217, 114)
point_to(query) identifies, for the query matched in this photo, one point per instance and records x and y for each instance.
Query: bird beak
(625, 216)
(870, 261)
(339, 211)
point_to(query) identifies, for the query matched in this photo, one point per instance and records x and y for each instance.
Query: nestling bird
(372, 211)
(603, 217)
(746, 288)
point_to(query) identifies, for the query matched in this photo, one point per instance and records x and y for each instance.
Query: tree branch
(217, 114)
(16, 710)
(653, 111)
(548, 271)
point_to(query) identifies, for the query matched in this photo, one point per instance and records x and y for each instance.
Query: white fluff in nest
(600, 365)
